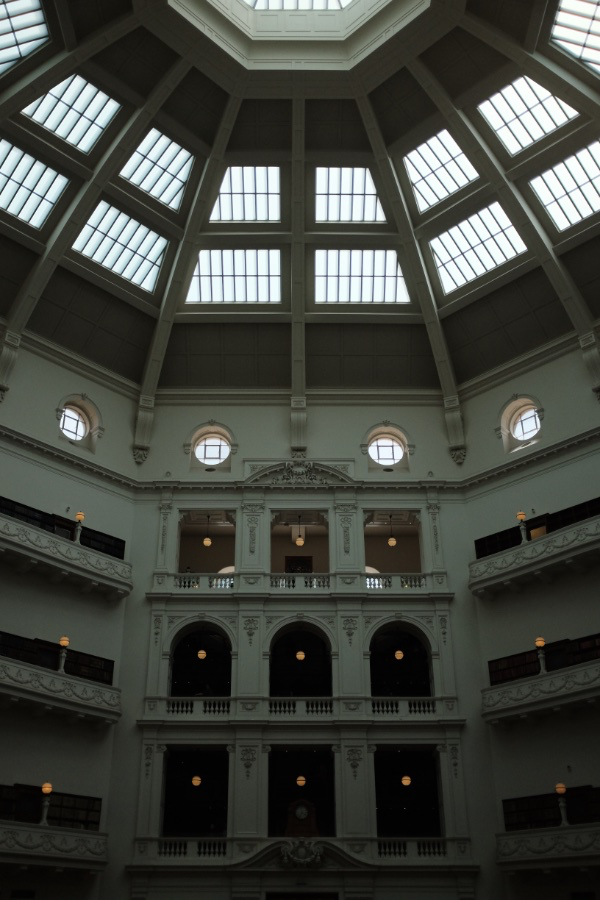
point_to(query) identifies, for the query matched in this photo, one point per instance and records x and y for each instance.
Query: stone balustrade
(282, 585)
(78, 699)
(574, 686)
(31, 549)
(568, 550)
(23, 844)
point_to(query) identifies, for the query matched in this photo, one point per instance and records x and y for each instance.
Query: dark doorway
(207, 675)
(300, 665)
(195, 811)
(306, 810)
(407, 810)
(395, 675)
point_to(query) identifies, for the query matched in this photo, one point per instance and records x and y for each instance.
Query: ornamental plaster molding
(57, 551)
(301, 854)
(300, 473)
(550, 686)
(549, 843)
(54, 684)
(45, 841)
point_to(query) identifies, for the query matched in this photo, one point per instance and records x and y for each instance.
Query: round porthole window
(525, 424)
(73, 424)
(212, 449)
(386, 450)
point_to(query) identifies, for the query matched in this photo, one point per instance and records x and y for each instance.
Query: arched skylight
(346, 195)
(359, 276)
(248, 194)
(236, 276)
(523, 112)
(476, 246)
(119, 243)
(437, 169)
(160, 167)
(28, 188)
(570, 191)
(75, 111)
(23, 29)
(577, 30)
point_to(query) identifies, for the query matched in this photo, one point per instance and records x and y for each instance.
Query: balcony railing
(567, 551)
(51, 691)
(32, 549)
(182, 851)
(575, 686)
(548, 848)
(280, 709)
(281, 585)
(44, 845)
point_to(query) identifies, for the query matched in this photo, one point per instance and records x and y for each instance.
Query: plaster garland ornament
(148, 751)
(454, 759)
(345, 522)
(354, 757)
(50, 842)
(554, 842)
(443, 627)
(539, 687)
(350, 625)
(250, 627)
(300, 473)
(157, 628)
(458, 454)
(302, 854)
(248, 757)
(58, 685)
(433, 510)
(165, 509)
(252, 526)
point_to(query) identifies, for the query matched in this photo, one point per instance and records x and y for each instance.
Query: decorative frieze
(44, 845)
(550, 690)
(548, 847)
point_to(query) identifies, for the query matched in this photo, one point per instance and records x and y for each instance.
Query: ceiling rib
(417, 278)
(65, 63)
(79, 210)
(180, 275)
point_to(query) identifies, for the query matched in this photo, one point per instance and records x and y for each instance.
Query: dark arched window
(400, 665)
(300, 665)
(201, 665)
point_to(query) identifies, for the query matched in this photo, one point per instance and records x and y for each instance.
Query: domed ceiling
(384, 199)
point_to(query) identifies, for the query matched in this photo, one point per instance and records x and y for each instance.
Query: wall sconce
(406, 780)
(300, 655)
(207, 541)
(196, 781)
(391, 539)
(201, 654)
(300, 538)
(300, 780)
(46, 791)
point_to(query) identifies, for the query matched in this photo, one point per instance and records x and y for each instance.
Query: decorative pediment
(299, 473)
(298, 853)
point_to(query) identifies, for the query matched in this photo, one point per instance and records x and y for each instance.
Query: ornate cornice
(547, 845)
(552, 689)
(40, 844)
(100, 572)
(300, 473)
(507, 568)
(61, 691)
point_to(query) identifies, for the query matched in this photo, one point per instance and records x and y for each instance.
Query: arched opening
(407, 792)
(300, 665)
(400, 664)
(201, 664)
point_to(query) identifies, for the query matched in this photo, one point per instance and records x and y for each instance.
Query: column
(252, 546)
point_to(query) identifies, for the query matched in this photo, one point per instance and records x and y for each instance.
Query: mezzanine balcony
(277, 710)
(192, 584)
(549, 848)
(61, 560)
(22, 843)
(569, 550)
(409, 852)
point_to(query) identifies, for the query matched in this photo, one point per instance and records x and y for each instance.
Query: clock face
(301, 812)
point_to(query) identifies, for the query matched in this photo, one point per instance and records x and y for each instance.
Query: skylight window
(248, 194)
(473, 247)
(236, 276)
(346, 195)
(577, 30)
(119, 243)
(523, 112)
(23, 29)
(359, 276)
(160, 167)
(28, 188)
(570, 191)
(75, 111)
(297, 4)
(437, 169)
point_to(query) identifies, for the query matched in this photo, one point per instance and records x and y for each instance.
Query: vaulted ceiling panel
(198, 105)
(94, 14)
(334, 125)
(16, 264)
(263, 125)
(582, 263)
(510, 16)
(460, 61)
(401, 105)
(139, 58)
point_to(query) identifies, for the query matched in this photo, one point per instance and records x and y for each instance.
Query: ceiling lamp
(391, 539)
(300, 655)
(299, 540)
(399, 654)
(201, 654)
(406, 780)
(196, 781)
(300, 780)
(207, 541)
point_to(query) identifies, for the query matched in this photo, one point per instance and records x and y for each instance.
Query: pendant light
(299, 540)
(391, 539)
(207, 541)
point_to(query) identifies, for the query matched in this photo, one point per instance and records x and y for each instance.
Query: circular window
(74, 424)
(212, 449)
(386, 450)
(525, 424)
